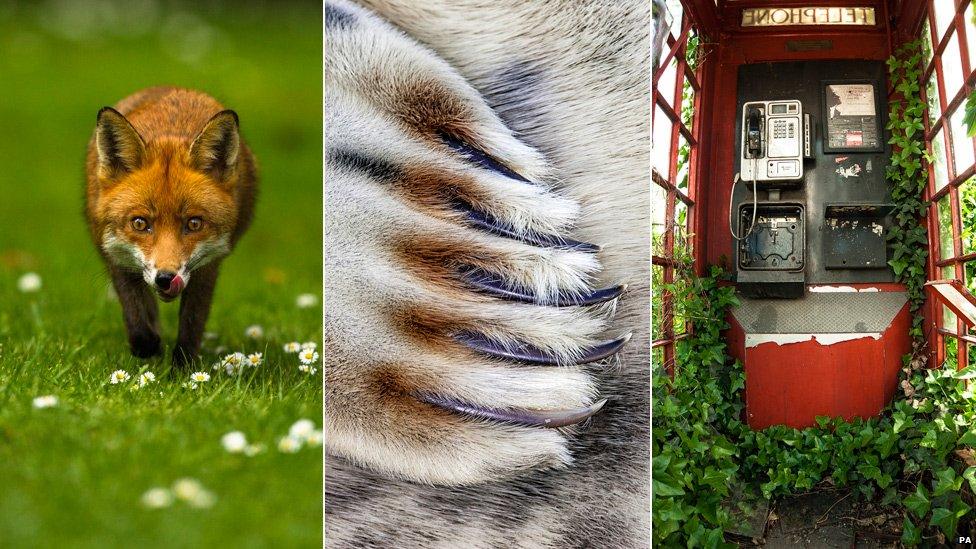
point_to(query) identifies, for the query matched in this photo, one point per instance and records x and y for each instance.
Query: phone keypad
(783, 129)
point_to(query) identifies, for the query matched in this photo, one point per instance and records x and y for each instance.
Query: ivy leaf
(911, 535)
(918, 503)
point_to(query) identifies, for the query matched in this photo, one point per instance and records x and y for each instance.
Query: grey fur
(571, 79)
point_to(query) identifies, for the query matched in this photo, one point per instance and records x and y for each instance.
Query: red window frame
(671, 103)
(951, 333)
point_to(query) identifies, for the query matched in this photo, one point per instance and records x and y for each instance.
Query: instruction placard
(852, 117)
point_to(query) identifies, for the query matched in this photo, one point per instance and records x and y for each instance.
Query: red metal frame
(712, 165)
(672, 109)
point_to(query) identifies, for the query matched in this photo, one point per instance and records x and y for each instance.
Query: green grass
(72, 476)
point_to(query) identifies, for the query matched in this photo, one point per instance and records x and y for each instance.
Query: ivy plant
(918, 455)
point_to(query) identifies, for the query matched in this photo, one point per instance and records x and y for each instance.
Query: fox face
(167, 207)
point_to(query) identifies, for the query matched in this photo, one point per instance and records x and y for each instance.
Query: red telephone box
(788, 190)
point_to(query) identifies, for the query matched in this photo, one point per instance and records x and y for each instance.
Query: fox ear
(120, 148)
(215, 149)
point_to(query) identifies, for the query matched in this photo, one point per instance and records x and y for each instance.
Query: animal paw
(460, 317)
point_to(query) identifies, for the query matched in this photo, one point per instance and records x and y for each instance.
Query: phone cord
(755, 204)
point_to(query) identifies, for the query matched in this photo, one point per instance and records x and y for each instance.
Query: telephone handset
(773, 136)
(754, 140)
(774, 142)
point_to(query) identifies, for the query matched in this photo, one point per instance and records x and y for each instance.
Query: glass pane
(967, 215)
(969, 271)
(970, 36)
(932, 95)
(951, 352)
(684, 155)
(657, 302)
(949, 319)
(661, 142)
(952, 75)
(944, 12)
(659, 206)
(927, 42)
(680, 324)
(962, 144)
(692, 50)
(945, 228)
(674, 7)
(682, 244)
(665, 86)
(939, 161)
(687, 104)
(657, 360)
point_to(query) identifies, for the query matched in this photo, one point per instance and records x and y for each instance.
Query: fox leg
(140, 313)
(194, 310)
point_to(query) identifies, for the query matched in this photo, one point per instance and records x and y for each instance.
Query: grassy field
(74, 475)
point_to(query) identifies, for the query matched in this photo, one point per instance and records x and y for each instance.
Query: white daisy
(187, 488)
(254, 332)
(308, 369)
(203, 500)
(191, 491)
(188, 385)
(146, 378)
(157, 498)
(293, 347)
(199, 377)
(314, 439)
(254, 360)
(46, 401)
(306, 301)
(233, 363)
(308, 356)
(119, 376)
(309, 346)
(301, 428)
(253, 449)
(289, 444)
(234, 442)
(29, 283)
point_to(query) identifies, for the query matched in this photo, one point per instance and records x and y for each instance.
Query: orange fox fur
(170, 189)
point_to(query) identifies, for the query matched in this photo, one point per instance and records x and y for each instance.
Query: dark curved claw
(480, 157)
(549, 419)
(534, 355)
(494, 285)
(483, 221)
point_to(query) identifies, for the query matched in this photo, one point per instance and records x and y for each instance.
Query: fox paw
(461, 317)
(145, 344)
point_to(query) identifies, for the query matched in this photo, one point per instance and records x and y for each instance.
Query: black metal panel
(856, 236)
(853, 178)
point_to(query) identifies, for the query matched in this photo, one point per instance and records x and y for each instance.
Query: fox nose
(164, 279)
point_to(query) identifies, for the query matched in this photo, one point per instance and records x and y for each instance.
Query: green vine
(907, 176)
(917, 457)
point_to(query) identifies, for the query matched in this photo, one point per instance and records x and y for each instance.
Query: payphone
(810, 150)
(773, 142)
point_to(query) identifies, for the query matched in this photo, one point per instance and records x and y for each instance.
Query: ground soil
(823, 518)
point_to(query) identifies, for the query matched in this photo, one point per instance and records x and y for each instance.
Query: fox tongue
(175, 286)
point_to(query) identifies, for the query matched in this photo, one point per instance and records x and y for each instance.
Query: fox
(487, 251)
(170, 189)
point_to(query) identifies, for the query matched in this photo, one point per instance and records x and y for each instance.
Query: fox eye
(140, 224)
(194, 224)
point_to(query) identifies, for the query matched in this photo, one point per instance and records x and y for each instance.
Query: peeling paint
(754, 340)
(841, 289)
